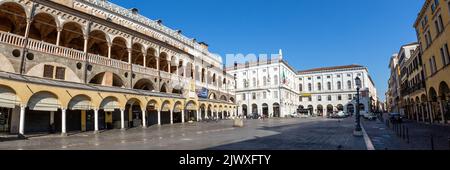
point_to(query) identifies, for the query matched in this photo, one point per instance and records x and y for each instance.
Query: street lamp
(358, 129)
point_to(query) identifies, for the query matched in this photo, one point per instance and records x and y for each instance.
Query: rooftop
(331, 68)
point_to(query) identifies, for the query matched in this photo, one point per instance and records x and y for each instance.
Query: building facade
(265, 88)
(268, 88)
(393, 92)
(325, 91)
(433, 34)
(404, 56)
(88, 65)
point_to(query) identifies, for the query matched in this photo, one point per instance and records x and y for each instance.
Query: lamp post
(358, 129)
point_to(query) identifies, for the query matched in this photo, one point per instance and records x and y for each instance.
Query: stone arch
(107, 79)
(110, 103)
(444, 92)
(152, 60)
(224, 98)
(213, 96)
(433, 95)
(13, 17)
(72, 36)
(5, 64)
(119, 49)
(319, 109)
(166, 106)
(98, 43)
(137, 55)
(38, 71)
(340, 107)
(44, 101)
(164, 88)
(174, 63)
(80, 102)
(145, 84)
(163, 62)
(44, 28)
(8, 97)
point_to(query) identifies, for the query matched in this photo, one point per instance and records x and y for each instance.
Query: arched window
(329, 85)
(309, 87)
(349, 84)
(339, 85)
(264, 81)
(300, 86)
(329, 97)
(245, 83)
(254, 82)
(319, 86)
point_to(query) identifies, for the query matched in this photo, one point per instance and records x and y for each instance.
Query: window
(243, 97)
(309, 87)
(318, 77)
(339, 85)
(329, 97)
(428, 38)
(264, 95)
(328, 77)
(309, 78)
(439, 25)
(349, 84)
(433, 65)
(264, 70)
(60, 73)
(338, 76)
(310, 98)
(300, 78)
(264, 81)
(445, 55)
(349, 75)
(300, 99)
(254, 96)
(319, 98)
(300, 86)
(329, 85)
(275, 79)
(339, 97)
(350, 97)
(245, 83)
(48, 71)
(446, 52)
(319, 86)
(275, 94)
(254, 82)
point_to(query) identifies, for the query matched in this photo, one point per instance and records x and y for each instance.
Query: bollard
(448, 142)
(432, 143)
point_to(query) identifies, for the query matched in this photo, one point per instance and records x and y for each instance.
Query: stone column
(159, 117)
(198, 115)
(109, 50)
(130, 50)
(122, 119)
(182, 116)
(144, 118)
(171, 116)
(442, 112)
(63, 123)
(58, 36)
(86, 41)
(144, 54)
(52, 118)
(22, 120)
(96, 120)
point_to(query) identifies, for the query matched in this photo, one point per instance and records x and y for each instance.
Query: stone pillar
(144, 54)
(168, 65)
(223, 115)
(130, 50)
(58, 36)
(144, 118)
(109, 50)
(52, 118)
(198, 115)
(22, 120)
(182, 116)
(96, 120)
(86, 41)
(430, 112)
(423, 113)
(441, 106)
(122, 119)
(171, 116)
(159, 117)
(63, 123)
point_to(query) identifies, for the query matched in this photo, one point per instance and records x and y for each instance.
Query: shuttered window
(48, 71)
(60, 73)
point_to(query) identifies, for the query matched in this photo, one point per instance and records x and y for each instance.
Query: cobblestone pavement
(311, 133)
(420, 134)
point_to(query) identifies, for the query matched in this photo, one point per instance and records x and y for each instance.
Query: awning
(191, 106)
(178, 108)
(80, 105)
(8, 100)
(109, 105)
(165, 108)
(43, 103)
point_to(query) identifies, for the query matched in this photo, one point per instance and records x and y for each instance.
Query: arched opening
(43, 114)
(340, 107)
(109, 114)
(351, 109)
(97, 43)
(13, 18)
(107, 79)
(163, 62)
(72, 36)
(177, 90)
(144, 84)
(255, 110)
(165, 112)
(311, 109)
(212, 96)
(244, 110)
(232, 99)
(265, 109)
(8, 102)
(209, 113)
(80, 107)
(119, 49)
(174, 65)
(133, 113)
(276, 110)
(137, 57)
(191, 111)
(444, 95)
(203, 111)
(190, 70)
(163, 88)
(152, 113)
(319, 110)
(177, 109)
(330, 110)
(223, 98)
(152, 61)
(43, 28)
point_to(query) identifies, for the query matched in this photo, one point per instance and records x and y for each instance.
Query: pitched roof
(330, 68)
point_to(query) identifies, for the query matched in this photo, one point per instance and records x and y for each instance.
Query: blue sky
(312, 33)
